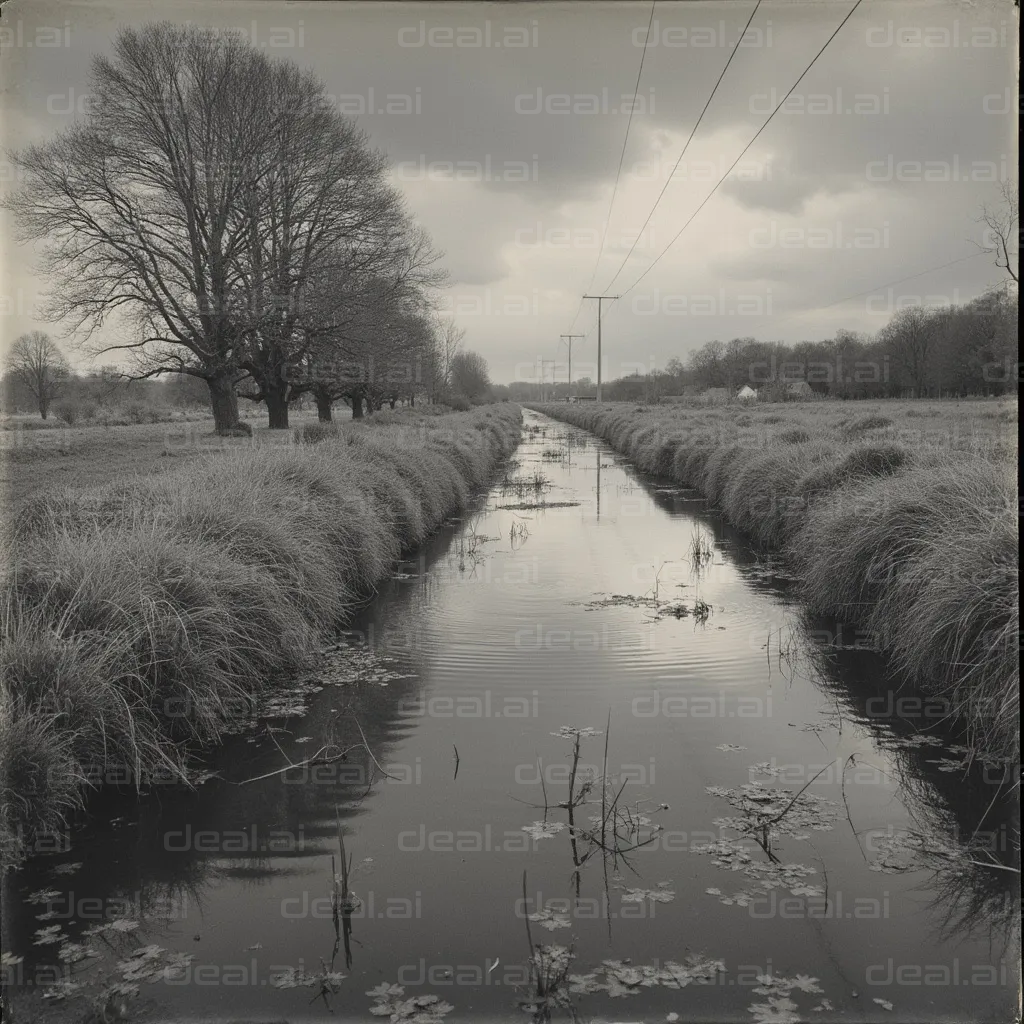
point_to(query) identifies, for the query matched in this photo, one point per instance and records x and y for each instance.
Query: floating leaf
(47, 936)
(544, 829)
(550, 918)
(65, 869)
(42, 896)
(654, 895)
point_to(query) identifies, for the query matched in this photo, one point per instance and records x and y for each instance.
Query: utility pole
(599, 298)
(543, 382)
(568, 339)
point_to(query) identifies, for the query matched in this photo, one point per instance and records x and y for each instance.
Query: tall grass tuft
(144, 619)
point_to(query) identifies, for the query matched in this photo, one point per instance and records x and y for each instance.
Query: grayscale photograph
(509, 512)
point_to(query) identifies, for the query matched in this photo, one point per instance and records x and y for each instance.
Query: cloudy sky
(505, 126)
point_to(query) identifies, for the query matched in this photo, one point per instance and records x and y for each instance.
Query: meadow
(145, 616)
(899, 516)
(44, 455)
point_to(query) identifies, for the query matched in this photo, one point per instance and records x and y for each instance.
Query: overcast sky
(505, 125)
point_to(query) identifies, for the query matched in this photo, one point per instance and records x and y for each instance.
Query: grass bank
(143, 619)
(899, 517)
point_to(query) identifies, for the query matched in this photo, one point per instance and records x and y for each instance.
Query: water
(483, 649)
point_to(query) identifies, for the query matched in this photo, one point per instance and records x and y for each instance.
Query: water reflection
(448, 687)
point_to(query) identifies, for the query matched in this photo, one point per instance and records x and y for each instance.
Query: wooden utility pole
(599, 298)
(543, 382)
(568, 339)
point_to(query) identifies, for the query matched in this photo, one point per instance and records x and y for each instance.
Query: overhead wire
(682, 153)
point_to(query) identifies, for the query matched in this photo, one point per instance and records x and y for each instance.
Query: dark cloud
(505, 124)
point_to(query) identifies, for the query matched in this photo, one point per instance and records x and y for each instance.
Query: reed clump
(145, 618)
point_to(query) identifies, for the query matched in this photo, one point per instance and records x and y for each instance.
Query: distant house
(746, 394)
(799, 389)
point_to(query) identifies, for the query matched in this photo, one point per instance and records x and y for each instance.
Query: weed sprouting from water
(702, 549)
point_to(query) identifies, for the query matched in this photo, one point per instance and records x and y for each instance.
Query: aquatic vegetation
(779, 1008)
(389, 1002)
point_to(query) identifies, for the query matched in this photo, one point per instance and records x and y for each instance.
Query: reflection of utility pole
(599, 298)
(598, 482)
(568, 339)
(543, 382)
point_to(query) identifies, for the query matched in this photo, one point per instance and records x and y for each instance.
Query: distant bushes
(912, 536)
(144, 618)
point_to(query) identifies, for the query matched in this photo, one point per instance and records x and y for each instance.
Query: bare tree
(367, 337)
(447, 344)
(470, 376)
(1001, 233)
(139, 207)
(321, 215)
(37, 363)
(911, 336)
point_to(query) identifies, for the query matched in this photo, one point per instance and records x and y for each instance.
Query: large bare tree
(37, 363)
(321, 216)
(137, 207)
(203, 198)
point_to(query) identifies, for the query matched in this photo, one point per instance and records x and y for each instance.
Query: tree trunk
(323, 407)
(357, 407)
(224, 403)
(277, 406)
(394, 402)
(412, 401)
(44, 407)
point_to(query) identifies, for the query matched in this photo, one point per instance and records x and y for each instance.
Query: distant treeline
(961, 350)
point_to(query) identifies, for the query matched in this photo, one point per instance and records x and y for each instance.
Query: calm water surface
(503, 630)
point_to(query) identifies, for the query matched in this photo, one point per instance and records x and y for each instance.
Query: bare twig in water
(316, 759)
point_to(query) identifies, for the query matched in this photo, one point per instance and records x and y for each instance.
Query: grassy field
(900, 516)
(34, 459)
(142, 618)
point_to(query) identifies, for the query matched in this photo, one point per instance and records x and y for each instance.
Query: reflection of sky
(503, 653)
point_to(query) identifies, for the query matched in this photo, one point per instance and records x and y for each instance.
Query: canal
(586, 725)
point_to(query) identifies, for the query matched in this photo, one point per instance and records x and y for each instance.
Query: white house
(746, 394)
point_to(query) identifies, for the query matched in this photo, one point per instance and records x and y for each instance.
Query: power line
(682, 153)
(622, 157)
(745, 148)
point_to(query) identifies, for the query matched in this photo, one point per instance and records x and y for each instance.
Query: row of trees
(245, 233)
(968, 349)
(38, 378)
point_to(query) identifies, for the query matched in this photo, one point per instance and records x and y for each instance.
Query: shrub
(74, 410)
(314, 433)
(457, 402)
